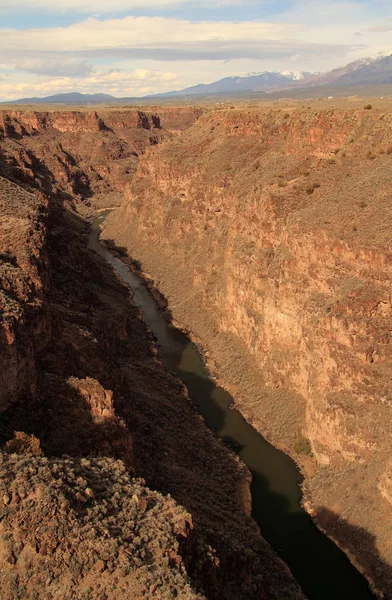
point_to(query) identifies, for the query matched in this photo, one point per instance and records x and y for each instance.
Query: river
(321, 568)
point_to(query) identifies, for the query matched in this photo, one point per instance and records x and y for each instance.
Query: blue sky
(137, 47)
(51, 16)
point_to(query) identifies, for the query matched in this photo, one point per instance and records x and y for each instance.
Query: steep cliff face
(69, 156)
(80, 375)
(80, 154)
(175, 118)
(269, 233)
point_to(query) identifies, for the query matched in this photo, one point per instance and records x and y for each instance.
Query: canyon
(266, 231)
(111, 484)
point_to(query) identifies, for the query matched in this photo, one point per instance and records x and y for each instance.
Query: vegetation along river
(321, 568)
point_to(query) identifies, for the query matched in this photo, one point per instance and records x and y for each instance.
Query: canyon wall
(268, 231)
(24, 324)
(111, 484)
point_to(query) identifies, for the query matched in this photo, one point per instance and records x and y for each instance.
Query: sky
(138, 47)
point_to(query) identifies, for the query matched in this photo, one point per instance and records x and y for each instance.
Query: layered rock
(269, 234)
(83, 155)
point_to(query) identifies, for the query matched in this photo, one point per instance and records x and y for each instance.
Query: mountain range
(265, 81)
(376, 70)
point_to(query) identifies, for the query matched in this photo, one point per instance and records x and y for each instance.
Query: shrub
(23, 443)
(302, 445)
(368, 107)
(310, 189)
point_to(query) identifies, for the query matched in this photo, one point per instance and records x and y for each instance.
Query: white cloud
(56, 68)
(341, 22)
(383, 28)
(315, 35)
(116, 82)
(158, 38)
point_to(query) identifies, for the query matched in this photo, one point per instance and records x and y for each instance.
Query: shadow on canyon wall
(26, 168)
(354, 538)
(137, 267)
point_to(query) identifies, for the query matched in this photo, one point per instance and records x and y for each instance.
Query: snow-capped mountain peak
(294, 75)
(379, 56)
(290, 75)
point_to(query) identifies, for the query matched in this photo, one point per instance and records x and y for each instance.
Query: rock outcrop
(268, 231)
(83, 528)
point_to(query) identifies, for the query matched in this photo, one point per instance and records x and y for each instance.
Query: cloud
(125, 56)
(116, 82)
(384, 28)
(54, 68)
(380, 28)
(164, 39)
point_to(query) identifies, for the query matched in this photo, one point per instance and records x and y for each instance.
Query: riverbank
(169, 453)
(239, 211)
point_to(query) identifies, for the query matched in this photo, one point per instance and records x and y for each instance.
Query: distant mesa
(69, 98)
